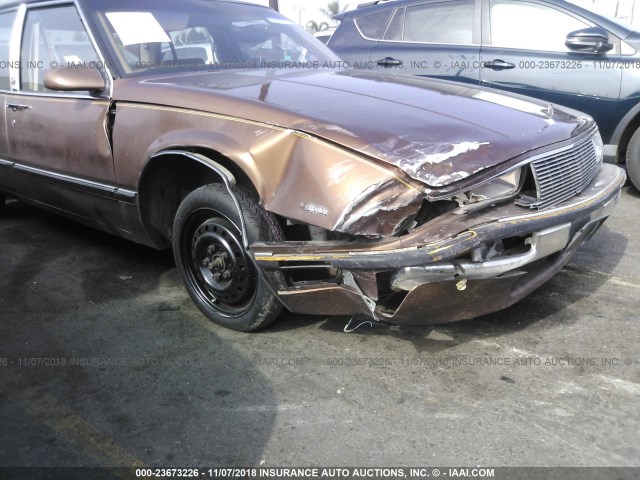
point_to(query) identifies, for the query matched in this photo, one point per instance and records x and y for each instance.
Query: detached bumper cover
(441, 289)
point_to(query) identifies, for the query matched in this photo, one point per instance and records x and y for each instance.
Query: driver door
(524, 51)
(59, 141)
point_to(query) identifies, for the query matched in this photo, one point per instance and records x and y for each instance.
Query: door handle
(388, 62)
(498, 64)
(16, 106)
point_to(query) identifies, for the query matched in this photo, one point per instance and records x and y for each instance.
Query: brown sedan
(281, 180)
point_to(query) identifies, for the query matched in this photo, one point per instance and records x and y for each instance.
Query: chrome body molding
(88, 186)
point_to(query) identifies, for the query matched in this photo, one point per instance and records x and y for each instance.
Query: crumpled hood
(437, 132)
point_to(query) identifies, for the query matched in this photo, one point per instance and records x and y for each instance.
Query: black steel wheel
(217, 271)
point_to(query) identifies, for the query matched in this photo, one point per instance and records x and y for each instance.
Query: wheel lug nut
(211, 249)
(226, 275)
(216, 277)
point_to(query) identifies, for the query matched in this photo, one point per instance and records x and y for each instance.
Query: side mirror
(74, 80)
(589, 40)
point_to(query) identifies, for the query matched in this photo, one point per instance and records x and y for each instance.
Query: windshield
(144, 36)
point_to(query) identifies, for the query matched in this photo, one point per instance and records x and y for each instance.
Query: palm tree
(333, 8)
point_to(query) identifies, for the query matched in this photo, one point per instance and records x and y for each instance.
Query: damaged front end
(411, 256)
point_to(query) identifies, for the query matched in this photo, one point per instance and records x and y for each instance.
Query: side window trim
(487, 40)
(398, 11)
(105, 70)
(476, 33)
(7, 69)
(15, 48)
(15, 51)
(373, 39)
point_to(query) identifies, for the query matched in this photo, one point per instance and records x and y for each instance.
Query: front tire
(218, 272)
(633, 159)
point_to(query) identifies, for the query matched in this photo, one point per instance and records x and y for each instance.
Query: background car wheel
(218, 273)
(633, 159)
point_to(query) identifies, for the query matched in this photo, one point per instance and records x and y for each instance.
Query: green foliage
(334, 8)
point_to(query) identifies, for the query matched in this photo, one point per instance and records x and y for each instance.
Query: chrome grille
(563, 173)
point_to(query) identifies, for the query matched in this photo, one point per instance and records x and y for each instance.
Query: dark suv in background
(552, 50)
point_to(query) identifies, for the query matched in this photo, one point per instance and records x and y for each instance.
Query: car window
(200, 53)
(260, 43)
(446, 22)
(203, 35)
(531, 26)
(6, 23)
(396, 27)
(53, 37)
(372, 25)
(191, 44)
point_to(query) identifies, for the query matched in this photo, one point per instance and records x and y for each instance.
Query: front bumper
(427, 262)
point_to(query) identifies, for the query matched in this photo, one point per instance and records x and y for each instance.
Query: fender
(613, 146)
(179, 140)
(225, 175)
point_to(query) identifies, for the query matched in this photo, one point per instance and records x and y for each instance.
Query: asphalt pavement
(104, 361)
